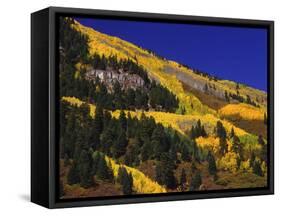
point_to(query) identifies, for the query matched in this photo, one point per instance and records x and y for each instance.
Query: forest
(112, 142)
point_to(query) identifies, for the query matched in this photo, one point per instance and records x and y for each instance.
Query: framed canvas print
(139, 107)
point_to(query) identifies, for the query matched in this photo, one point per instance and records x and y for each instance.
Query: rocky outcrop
(109, 77)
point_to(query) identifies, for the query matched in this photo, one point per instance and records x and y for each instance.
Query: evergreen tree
(263, 148)
(196, 181)
(123, 120)
(73, 176)
(193, 133)
(119, 147)
(146, 150)
(85, 168)
(257, 168)
(185, 156)
(237, 146)
(211, 164)
(97, 127)
(96, 159)
(183, 177)
(159, 173)
(173, 152)
(159, 141)
(126, 180)
(203, 131)
(130, 98)
(220, 130)
(232, 133)
(252, 159)
(107, 140)
(165, 172)
(102, 169)
(223, 147)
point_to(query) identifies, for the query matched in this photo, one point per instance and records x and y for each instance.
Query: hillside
(169, 73)
(193, 88)
(133, 122)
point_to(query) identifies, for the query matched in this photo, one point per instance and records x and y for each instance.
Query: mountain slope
(171, 74)
(154, 117)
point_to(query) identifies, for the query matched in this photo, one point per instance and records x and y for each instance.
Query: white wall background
(15, 106)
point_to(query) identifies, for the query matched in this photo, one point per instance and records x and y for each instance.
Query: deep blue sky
(232, 53)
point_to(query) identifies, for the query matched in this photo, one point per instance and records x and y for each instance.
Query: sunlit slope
(181, 123)
(141, 183)
(108, 45)
(168, 73)
(242, 111)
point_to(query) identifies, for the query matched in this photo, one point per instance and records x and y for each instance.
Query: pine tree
(173, 153)
(102, 169)
(158, 142)
(203, 131)
(192, 132)
(96, 159)
(183, 177)
(130, 98)
(263, 148)
(257, 168)
(223, 147)
(123, 120)
(232, 133)
(165, 172)
(107, 140)
(126, 180)
(98, 119)
(185, 156)
(119, 147)
(97, 127)
(220, 130)
(168, 166)
(146, 150)
(196, 181)
(159, 173)
(211, 164)
(73, 176)
(85, 168)
(252, 159)
(237, 146)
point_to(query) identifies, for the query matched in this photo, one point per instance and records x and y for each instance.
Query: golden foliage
(228, 162)
(211, 143)
(181, 123)
(245, 166)
(77, 102)
(141, 183)
(242, 111)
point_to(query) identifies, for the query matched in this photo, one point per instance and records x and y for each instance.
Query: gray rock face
(109, 77)
(194, 83)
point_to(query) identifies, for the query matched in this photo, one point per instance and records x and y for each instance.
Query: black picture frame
(44, 107)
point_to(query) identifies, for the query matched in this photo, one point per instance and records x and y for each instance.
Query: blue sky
(233, 53)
